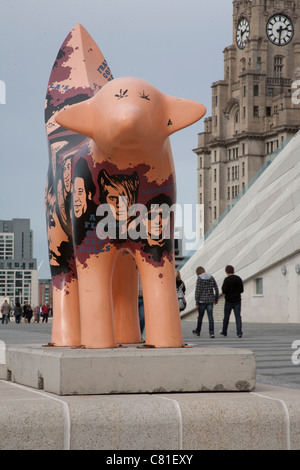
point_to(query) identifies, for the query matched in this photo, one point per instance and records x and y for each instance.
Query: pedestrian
(45, 312)
(206, 295)
(5, 310)
(232, 289)
(141, 306)
(18, 312)
(28, 313)
(24, 310)
(180, 288)
(36, 314)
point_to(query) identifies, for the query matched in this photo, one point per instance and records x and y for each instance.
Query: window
(258, 63)
(256, 90)
(259, 286)
(255, 111)
(268, 111)
(278, 67)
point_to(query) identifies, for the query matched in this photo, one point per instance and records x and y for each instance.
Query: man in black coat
(232, 288)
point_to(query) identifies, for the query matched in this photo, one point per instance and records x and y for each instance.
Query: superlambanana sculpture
(110, 187)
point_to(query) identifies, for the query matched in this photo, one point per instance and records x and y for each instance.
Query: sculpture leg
(125, 299)
(162, 318)
(95, 300)
(66, 316)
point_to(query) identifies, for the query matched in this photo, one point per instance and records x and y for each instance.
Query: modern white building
(18, 268)
(260, 237)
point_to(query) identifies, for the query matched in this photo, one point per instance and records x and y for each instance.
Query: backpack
(181, 299)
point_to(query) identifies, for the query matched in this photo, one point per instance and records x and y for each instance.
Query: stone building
(253, 110)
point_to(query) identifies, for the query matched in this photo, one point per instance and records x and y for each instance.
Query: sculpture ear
(77, 118)
(182, 113)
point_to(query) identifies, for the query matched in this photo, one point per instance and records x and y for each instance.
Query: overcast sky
(177, 45)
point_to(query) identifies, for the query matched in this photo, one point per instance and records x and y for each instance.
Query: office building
(18, 267)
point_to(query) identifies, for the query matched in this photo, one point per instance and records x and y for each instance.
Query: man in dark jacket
(232, 288)
(206, 295)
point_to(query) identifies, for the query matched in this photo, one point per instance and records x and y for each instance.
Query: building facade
(253, 111)
(260, 237)
(45, 292)
(18, 267)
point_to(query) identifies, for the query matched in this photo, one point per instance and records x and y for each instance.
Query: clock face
(242, 32)
(280, 30)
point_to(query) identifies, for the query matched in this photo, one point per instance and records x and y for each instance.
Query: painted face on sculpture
(61, 201)
(157, 224)
(118, 201)
(67, 174)
(80, 197)
(54, 230)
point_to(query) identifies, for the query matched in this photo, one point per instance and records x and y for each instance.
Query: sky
(177, 45)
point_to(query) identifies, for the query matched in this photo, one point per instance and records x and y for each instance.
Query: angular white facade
(260, 237)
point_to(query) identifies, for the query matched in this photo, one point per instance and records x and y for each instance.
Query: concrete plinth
(131, 369)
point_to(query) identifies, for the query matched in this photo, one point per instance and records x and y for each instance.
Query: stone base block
(131, 369)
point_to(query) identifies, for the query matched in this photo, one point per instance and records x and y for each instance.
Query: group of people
(207, 294)
(26, 312)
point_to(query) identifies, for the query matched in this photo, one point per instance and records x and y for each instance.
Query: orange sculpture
(109, 196)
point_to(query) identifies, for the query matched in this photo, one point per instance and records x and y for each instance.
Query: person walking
(5, 310)
(45, 312)
(141, 306)
(18, 312)
(232, 289)
(206, 295)
(28, 313)
(36, 314)
(180, 288)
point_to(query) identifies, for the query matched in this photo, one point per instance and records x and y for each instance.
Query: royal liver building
(253, 110)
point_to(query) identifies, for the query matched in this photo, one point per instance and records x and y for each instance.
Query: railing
(279, 81)
(235, 201)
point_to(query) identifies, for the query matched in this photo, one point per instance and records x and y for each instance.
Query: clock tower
(253, 113)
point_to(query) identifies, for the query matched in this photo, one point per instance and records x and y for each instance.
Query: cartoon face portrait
(67, 169)
(56, 235)
(83, 188)
(60, 199)
(120, 191)
(80, 197)
(157, 221)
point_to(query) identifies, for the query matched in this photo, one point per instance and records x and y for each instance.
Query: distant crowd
(25, 313)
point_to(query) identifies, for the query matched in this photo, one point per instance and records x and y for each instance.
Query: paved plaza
(274, 345)
(271, 343)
